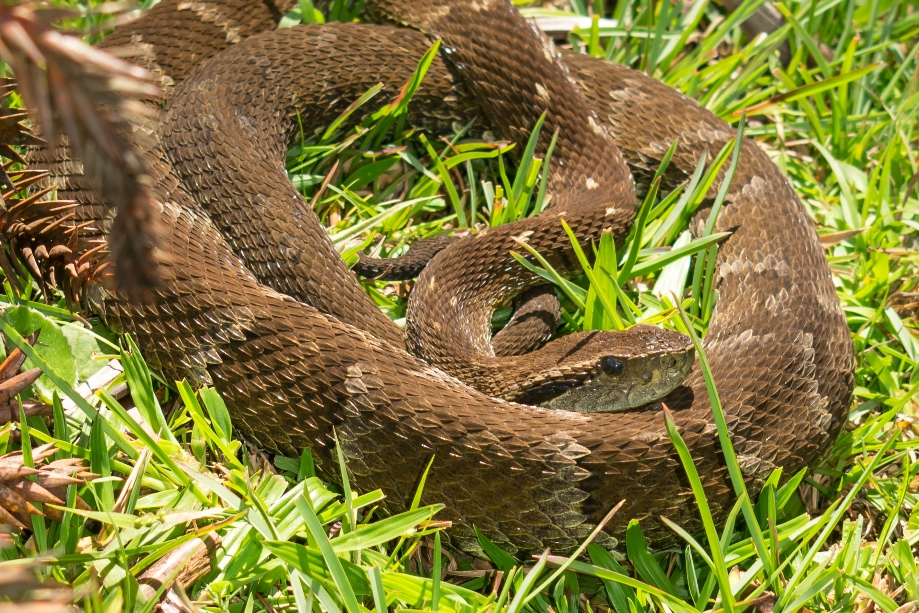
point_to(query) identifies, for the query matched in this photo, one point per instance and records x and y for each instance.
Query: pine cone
(13, 132)
(42, 236)
(23, 592)
(55, 73)
(19, 491)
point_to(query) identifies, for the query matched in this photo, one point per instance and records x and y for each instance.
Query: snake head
(611, 370)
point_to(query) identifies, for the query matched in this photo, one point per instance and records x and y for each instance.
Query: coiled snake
(249, 256)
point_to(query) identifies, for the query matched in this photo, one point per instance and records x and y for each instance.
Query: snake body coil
(249, 256)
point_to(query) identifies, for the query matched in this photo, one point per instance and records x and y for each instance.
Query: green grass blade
(333, 563)
(384, 530)
(716, 561)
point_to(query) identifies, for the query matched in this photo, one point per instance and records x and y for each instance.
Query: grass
(841, 537)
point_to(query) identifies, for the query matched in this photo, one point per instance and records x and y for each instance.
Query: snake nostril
(612, 366)
(647, 376)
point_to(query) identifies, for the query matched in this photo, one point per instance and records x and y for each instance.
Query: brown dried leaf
(51, 480)
(7, 519)
(10, 413)
(17, 505)
(12, 473)
(16, 358)
(34, 492)
(10, 388)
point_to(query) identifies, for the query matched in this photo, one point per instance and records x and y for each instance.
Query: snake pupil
(612, 366)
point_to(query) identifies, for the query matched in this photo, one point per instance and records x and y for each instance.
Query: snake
(257, 303)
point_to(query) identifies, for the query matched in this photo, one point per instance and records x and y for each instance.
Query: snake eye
(612, 366)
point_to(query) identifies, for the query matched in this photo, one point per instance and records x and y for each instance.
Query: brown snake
(249, 256)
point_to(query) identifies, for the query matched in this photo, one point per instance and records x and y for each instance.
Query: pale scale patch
(209, 13)
(597, 128)
(548, 48)
(829, 303)
(771, 262)
(575, 451)
(775, 303)
(482, 5)
(355, 386)
(710, 134)
(524, 237)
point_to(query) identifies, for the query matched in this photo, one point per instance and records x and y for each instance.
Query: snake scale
(257, 302)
